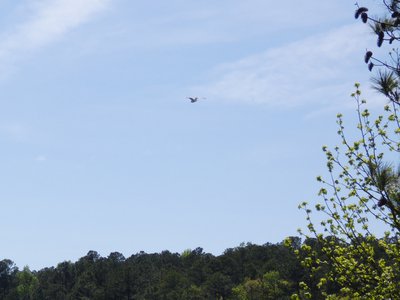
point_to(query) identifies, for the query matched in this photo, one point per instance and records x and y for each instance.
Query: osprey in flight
(194, 99)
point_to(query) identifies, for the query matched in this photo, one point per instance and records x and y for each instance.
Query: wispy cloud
(316, 69)
(194, 22)
(16, 131)
(40, 158)
(48, 21)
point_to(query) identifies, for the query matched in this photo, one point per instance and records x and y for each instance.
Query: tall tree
(8, 272)
(387, 31)
(27, 284)
(363, 184)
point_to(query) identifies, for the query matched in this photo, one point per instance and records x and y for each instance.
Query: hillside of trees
(269, 271)
(246, 272)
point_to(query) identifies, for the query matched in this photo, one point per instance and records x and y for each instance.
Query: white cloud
(14, 130)
(49, 20)
(317, 69)
(194, 22)
(41, 158)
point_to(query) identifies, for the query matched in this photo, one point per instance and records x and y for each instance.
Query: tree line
(269, 271)
(247, 272)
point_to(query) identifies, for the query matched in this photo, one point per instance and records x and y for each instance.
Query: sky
(101, 149)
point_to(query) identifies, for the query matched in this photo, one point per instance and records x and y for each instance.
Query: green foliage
(361, 186)
(270, 271)
(8, 271)
(27, 284)
(269, 286)
(386, 28)
(361, 191)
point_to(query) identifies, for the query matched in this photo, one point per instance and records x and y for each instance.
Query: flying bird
(194, 99)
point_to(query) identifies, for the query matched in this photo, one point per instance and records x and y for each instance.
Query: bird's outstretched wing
(193, 99)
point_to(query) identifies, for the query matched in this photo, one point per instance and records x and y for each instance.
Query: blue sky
(101, 150)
